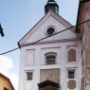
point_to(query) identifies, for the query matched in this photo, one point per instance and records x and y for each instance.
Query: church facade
(51, 54)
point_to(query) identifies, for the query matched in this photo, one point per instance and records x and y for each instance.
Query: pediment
(38, 32)
(48, 84)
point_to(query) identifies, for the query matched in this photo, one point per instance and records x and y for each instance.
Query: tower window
(71, 74)
(50, 59)
(29, 75)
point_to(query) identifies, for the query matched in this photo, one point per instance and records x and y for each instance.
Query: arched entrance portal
(48, 85)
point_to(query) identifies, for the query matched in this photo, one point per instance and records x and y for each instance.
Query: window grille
(71, 74)
(29, 76)
(50, 59)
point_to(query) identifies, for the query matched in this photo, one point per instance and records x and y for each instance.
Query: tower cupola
(51, 4)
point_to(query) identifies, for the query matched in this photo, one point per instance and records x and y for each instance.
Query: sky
(17, 17)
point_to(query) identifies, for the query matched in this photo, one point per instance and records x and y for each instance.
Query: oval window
(50, 31)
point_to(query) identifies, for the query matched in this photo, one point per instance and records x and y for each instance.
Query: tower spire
(52, 4)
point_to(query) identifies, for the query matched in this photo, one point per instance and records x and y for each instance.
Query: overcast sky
(17, 17)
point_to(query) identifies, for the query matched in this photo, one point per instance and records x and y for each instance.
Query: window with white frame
(29, 75)
(71, 74)
(50, 58)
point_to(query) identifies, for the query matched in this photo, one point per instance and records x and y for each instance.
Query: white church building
(50, 57)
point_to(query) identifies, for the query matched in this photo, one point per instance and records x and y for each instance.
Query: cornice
(50, 42)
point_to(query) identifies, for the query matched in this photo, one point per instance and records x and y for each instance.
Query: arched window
(72, 55)
(50, 58)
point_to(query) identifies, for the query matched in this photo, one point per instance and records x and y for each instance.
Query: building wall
(84, 29)
(5, 83)
(87, 50)
(38, 63)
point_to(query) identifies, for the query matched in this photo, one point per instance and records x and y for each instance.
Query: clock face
(28, 85)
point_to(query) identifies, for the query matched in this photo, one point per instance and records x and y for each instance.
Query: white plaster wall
(61, 49)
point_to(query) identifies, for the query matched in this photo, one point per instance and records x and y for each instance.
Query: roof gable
(49, 15)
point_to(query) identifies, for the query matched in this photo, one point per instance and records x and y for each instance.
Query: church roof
(50, 12)
(51, 1)
(51, 4)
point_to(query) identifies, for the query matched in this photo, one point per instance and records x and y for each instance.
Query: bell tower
(51, 4)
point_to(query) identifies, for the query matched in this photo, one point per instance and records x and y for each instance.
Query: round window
(50, 31)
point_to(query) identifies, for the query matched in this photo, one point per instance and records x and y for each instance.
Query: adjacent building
(5, 83)
(84, 31)
(52, 56)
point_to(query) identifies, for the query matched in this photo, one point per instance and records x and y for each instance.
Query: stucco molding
(52, 41)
